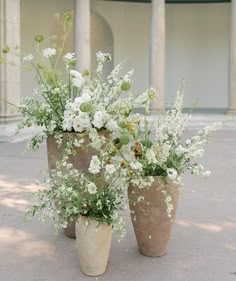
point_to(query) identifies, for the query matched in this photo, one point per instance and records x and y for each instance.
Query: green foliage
(71, 197)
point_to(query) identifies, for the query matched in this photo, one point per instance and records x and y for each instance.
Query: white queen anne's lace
(49, 52)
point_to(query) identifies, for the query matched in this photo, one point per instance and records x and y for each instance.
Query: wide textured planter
(93, 242)
(80, 159)
(81, 156)
(151, 223)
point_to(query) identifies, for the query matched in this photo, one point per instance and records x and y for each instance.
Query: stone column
(82, 45)
(232, 68)
(157, 52)
(9, 73)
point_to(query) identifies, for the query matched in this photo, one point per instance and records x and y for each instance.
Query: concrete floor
(202, 247)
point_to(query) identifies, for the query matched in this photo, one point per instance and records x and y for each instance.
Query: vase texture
(151, 223)
(80, 160)
(81, 156)
(93, 242)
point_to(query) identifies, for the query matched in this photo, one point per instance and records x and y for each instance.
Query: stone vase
(151, 223)
(80, 160)
(93, 242)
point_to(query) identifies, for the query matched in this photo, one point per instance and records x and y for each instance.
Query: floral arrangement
(159, 149)
(99, 195)
(69, 101)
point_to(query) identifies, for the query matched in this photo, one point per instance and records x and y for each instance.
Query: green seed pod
(112, 153)
(85, 73)
(85, 107)
(5, 50)
(122, 124)
(67, 16)
(126, 85)
(124, 139)
(39, 38)
(73, 62)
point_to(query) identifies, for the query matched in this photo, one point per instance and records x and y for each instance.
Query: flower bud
(126, 85)
(39, 38)
(5, 50)
(124, 139)
(85, 107)
(85, 73)
(67, 16)
(122, 124)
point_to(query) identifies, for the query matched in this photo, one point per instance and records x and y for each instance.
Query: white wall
(198, 51)
(130, 25)
(197, 47)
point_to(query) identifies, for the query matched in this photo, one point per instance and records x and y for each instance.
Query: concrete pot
(81, 156)
(80, 160)
(151, 224)
(93, 242)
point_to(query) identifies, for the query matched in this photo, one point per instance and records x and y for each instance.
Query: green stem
(8, 102)
(36, 69)
(67, 32)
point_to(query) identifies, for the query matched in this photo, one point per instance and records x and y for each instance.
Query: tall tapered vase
(93, 242)
(151, 223)
(80, 159)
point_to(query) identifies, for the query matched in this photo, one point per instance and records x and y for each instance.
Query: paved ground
(202, 248)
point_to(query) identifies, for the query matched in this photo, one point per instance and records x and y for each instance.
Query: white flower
(28, 58)
(196, 138)
(99, 119)
(49, 52)
(172, 173)
(180, 150)
(111, 125)
(79, 100)
(67, 124)
(69, 56)
(102, 57)
(198, 153)
(68, 113)
(146, 97)
(78, 82)
(151, 158)
(95, 165)
(92, 189)
(76, 74)
(96, 141)
(188, 142)
(136, 166)
(86, 97)
(78, 143)
(81, 122)
(206, 173)
(110, 169)
(77, 78)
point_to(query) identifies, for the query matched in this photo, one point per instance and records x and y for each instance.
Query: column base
(231, 112)
(8, 133)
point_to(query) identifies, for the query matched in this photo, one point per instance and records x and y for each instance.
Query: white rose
(81, 122)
